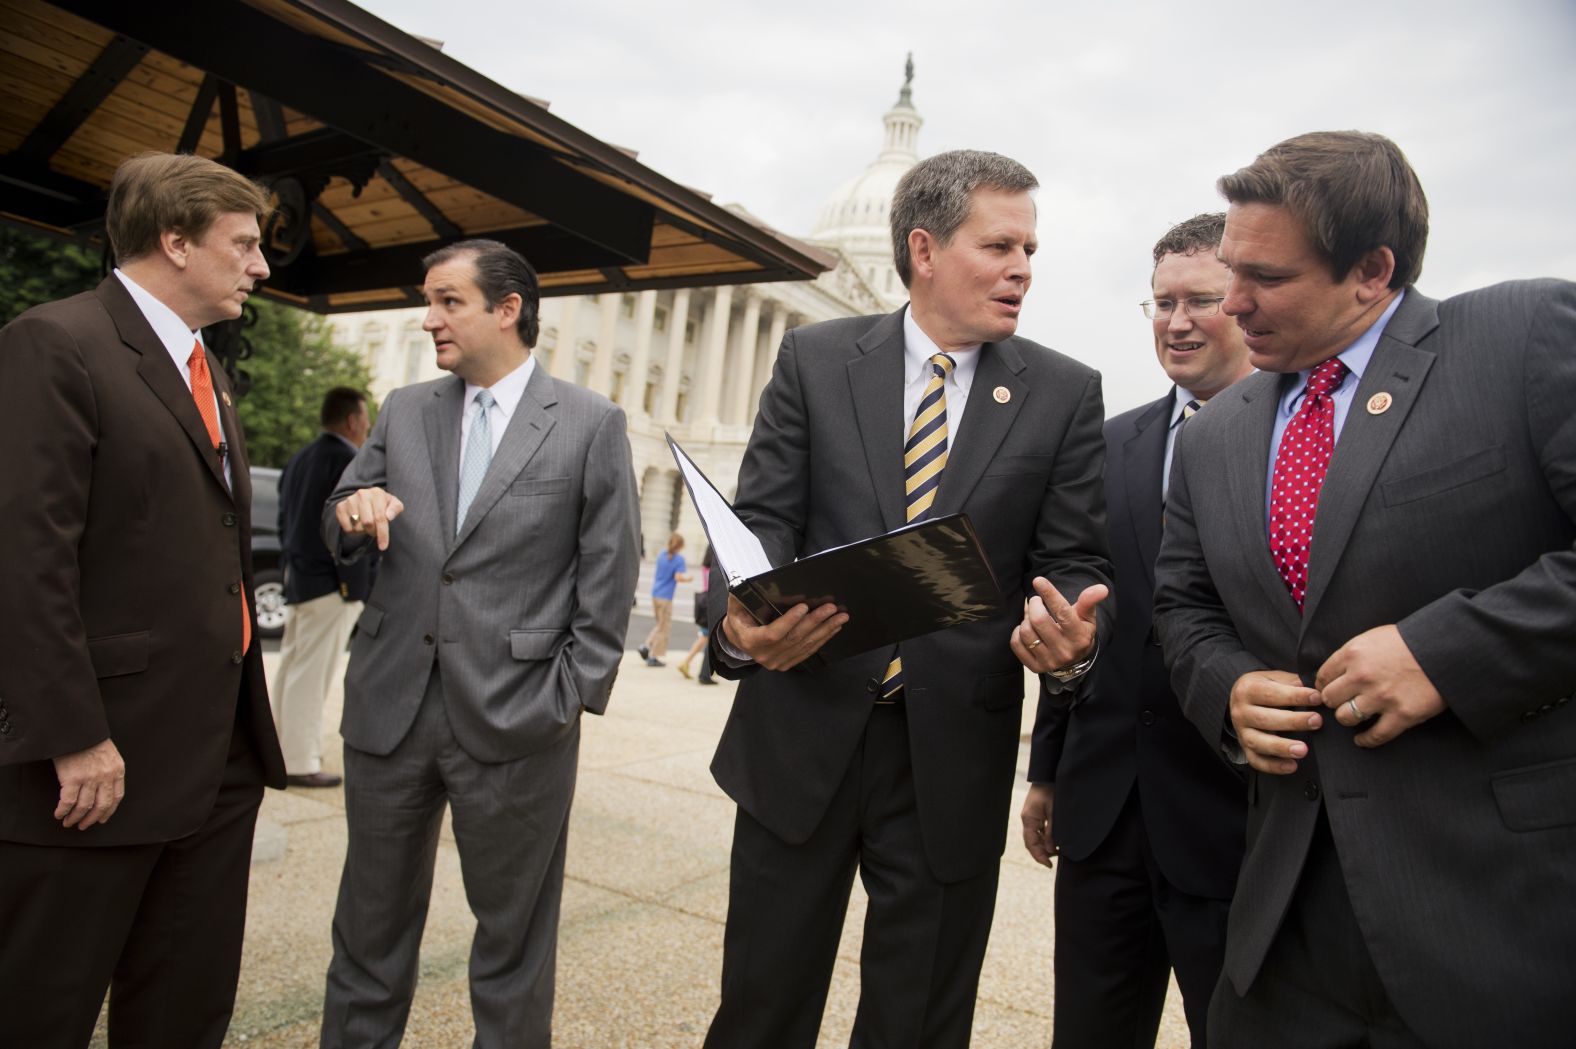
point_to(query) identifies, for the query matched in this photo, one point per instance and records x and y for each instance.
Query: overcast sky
(1127, 112)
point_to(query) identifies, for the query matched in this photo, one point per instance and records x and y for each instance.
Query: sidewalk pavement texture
(645, 898)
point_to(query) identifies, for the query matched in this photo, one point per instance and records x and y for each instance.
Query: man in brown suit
(135, 733)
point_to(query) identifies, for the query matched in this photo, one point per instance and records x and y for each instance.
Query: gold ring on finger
(1036, 643)
(355, 519)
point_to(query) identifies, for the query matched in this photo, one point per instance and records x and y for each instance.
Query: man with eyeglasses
(1148, 820)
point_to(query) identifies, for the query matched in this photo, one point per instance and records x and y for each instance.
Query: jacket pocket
(999, 691)
(540, 486)
(1482, 463)
(1537, 797)
(119, 654)
(526, 645)
(1007, 465)
(370, 621)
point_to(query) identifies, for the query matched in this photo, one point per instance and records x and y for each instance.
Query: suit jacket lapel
(1397, 368)
(240, 486)
(1144, 462)
(441, 419)
(1247, 472)
(876, 381)
(160, 373)
(985, 424)
(528, 427)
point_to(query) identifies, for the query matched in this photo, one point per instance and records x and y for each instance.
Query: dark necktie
(924, 458)
(1300, 466)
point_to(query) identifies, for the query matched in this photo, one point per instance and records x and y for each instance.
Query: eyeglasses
(1193, 306)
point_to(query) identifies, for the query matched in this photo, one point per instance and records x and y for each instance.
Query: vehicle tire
(268, 601)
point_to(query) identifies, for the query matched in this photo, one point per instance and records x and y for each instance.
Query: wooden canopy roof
(377, 146)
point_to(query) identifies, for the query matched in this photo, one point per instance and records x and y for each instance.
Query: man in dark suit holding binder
(899, 763)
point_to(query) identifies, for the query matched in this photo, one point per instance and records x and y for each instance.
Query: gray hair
(937, 193)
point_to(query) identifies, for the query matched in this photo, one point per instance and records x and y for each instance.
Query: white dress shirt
(178, 341)
(917, 373)
(1179, 401)
(506, 392)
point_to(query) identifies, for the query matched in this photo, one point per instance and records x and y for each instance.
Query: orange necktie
(202, 393)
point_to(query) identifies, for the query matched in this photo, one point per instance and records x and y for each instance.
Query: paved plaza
(644, 903)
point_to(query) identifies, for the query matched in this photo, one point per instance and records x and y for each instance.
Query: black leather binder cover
(915, 580)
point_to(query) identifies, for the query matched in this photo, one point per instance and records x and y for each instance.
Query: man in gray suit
(1367, 592)
(504, 503)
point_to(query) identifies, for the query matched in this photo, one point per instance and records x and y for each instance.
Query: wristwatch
(1074, 671)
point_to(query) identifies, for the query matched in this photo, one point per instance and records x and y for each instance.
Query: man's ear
(1372, 274)
(176, 247)
(508, 311)
(921, 252)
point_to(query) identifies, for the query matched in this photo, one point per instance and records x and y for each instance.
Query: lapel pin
(225, 397)
(1002, 394)
(1379, 403)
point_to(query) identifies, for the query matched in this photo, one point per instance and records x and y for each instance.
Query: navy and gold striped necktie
(924, 458)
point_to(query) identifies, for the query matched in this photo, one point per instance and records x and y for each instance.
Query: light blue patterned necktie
(478, 454)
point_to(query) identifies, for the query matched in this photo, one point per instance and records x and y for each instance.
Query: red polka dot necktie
(1300, 465)
(202, 393)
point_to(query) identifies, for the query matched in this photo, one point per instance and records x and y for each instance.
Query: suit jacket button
(236, 657)
(872, 686)
(1529, 716)
(1311, 791)
(235, 588)
(229, 520)
(448, 577)
(1147, 717)
(426, 639)
(5, 728)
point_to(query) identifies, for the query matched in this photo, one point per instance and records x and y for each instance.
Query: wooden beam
(340, 87)
(548, 249)
(415, 198)
(119, 57)
(197, 119)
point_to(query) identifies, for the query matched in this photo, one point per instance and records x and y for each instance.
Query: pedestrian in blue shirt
(670, 573)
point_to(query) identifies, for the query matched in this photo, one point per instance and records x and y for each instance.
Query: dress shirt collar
(166, 324)
(507, 391)
(1179, 399)
(918, 348)
(1355, 357)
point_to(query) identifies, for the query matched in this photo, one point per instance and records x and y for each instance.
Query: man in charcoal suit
(1147, 821)
(1367, 593)
(900, 764)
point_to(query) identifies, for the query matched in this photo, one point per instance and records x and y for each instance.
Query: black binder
(914, 580)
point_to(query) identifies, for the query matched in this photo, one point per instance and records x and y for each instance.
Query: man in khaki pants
(324, 598)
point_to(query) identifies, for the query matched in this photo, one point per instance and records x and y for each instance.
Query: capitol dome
(854, 219)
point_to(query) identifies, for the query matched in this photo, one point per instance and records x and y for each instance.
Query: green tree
(35, 268)
(294, 363)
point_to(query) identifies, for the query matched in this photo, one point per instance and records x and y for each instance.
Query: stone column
(716, 353)
(562, 365)
(743, 381)
(678, 321)
(774, 339)
(600, 377)
(640, 357)
(656, 510)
